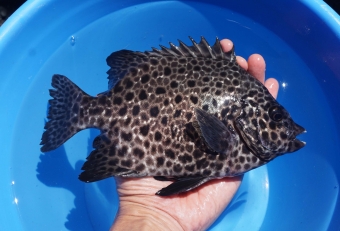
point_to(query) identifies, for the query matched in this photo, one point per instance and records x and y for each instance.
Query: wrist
(134, 216)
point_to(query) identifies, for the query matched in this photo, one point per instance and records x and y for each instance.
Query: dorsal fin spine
(176, 49)
(184, 46)
(196, 47)
(201, 49)
(206, 44)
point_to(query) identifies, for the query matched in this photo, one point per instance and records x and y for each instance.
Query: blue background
(298, 39)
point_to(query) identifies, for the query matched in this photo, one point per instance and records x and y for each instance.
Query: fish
(186, 114)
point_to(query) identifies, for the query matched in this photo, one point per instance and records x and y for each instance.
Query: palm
(193, 210)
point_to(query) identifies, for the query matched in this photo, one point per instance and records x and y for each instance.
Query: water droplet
(73, 40)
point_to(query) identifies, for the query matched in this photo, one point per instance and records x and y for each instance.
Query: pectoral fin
(215, 134)
(164, 178)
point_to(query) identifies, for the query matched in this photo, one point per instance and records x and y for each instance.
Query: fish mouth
(264, 152)
(296, 144)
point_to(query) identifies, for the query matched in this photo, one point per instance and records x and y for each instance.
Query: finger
(273, 86)
(226, 44)
(257, 67)
(242, 62)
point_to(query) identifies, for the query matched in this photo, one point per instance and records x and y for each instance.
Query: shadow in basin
(55, 170)
(238, 201)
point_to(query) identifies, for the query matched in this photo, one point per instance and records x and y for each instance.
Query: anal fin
(182, 185)
(103, 162)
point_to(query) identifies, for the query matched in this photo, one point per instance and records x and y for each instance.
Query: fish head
(269, 131)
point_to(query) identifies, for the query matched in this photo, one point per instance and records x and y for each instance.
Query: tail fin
(63, 113)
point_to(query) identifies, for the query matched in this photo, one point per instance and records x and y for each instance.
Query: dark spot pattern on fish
(150, 122)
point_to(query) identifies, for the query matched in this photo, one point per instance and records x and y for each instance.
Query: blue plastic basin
(300, 41)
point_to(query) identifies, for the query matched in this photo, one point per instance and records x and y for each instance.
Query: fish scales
(185, 113)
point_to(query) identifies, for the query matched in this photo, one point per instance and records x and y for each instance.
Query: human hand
(141, 209)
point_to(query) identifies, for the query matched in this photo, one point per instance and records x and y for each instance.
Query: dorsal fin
(201, 49)
(120, 61)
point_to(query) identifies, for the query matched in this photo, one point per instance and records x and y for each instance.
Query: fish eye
(275, 113)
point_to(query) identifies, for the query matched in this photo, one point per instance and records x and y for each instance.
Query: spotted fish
(187, 114)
